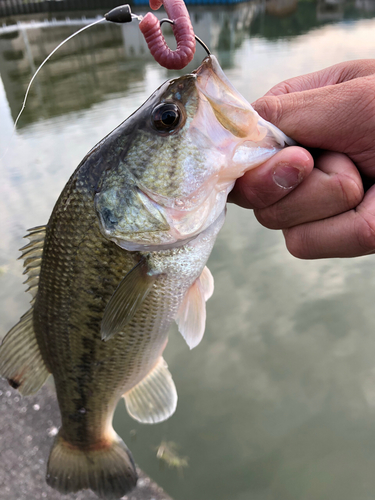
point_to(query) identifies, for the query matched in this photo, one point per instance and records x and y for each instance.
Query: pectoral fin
(126, 300)
(207, 282)
(154, 399)
(191, 318)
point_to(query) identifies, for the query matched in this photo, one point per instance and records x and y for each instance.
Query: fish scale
(122, 256)
(133, 352)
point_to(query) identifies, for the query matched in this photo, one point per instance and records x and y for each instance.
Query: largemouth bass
(124, 255)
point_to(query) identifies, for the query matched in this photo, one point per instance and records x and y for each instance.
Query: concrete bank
(27, 429)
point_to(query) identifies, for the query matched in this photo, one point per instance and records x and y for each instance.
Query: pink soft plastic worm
(182, 29)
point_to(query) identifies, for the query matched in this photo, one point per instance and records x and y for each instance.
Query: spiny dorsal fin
(32, 255)
(126, 299)
(154, 399)
(20, 359)
(191, 317)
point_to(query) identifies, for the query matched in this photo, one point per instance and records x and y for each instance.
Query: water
(278, 401)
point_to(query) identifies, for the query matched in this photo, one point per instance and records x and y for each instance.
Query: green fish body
(122, 257)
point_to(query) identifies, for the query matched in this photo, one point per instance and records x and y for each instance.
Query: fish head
(174, 161)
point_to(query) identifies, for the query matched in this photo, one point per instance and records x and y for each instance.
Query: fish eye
(166, 117)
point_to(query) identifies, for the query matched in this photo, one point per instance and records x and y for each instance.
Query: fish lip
(207, 61)
(230, 108)
(215, 225)
(138, 247)
(211, 69)
(182, 204)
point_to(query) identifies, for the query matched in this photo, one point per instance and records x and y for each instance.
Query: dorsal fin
(32, 255)
(21, 361)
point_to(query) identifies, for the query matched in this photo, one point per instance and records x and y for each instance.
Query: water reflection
(92, 63)
(109, 59)
(104, 60)
(278, 402)
(330, 10)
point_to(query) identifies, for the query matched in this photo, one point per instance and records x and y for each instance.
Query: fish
(122, 256)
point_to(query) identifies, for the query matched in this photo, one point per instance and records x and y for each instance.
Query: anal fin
(154, 398)
(20, 359)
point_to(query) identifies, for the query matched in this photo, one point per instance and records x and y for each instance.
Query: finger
(273, 180)
(317, 118)
(156, 4)
(338, 73)
(335, 118)
(350, 234)
(333, 187)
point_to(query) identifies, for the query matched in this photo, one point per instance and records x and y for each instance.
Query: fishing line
(37, 71)
(120, 14)
(44, 62)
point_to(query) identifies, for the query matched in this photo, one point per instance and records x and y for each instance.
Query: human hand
(326, 215)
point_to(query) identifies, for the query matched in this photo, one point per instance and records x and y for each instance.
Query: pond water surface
(278, 401)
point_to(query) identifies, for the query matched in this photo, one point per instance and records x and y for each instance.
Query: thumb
(273, 180)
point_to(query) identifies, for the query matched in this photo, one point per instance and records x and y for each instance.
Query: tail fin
(109, 472)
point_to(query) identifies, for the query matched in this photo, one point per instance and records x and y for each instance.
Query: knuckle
(269, 108)
(362, 98)
(251, 196)
(366, 231)
(259, 215)
(349, 190)
(264, 217)
(298, 242)
(273, 217)
(257, 199)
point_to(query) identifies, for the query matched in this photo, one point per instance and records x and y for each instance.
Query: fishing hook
(201, 42)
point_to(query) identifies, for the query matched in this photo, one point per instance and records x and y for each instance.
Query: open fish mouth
(231, 110)
(236, 115)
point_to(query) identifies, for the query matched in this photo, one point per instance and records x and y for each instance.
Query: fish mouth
(231, 109)
(211, 229)
(234, 113)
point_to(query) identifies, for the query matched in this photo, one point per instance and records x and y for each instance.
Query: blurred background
(278, 401)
